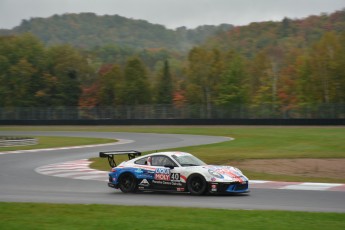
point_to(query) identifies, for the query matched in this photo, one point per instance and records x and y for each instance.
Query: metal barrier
(17, 141)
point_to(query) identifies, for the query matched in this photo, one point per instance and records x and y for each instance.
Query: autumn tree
(204, 73)
(68, 67)
(261, 82)
(321, 72)
(111, 88)
(233, 82)
(326, 56)
(288, 90)
(136, 85)
(22, 61)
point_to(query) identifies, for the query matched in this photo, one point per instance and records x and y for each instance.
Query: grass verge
(54, 142)
(63, 216)
(251, 142)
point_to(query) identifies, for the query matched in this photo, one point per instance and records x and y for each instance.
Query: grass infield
(54, 142)
(63, 216)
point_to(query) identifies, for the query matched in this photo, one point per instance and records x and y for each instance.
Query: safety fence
(320, 111)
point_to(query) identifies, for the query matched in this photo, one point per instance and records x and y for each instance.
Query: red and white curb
(297, 185)
(80, 169)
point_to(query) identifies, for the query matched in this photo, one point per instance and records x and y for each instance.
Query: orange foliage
(179, 99)
(88, 98)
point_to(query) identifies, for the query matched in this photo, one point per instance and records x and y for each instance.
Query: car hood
(224, 173)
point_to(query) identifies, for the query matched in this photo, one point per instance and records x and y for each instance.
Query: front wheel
(128, 183)
(196, 184)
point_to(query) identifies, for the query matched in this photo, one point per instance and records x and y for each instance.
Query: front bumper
(231, 187)
(111, 185)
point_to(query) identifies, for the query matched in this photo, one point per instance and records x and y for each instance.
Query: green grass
(269, 143)
(53, 142)
(62, 216)
(250, 142)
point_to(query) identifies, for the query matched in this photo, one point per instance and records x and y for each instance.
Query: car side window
(162, 161)
(142, 161)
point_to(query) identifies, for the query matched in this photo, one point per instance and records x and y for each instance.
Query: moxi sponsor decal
(162, 174)
(162, 171)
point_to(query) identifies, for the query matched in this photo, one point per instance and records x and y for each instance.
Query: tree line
(292, 70)
(88, 30)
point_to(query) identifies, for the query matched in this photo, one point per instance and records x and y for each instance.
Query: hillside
(87, 30)
(287, 34)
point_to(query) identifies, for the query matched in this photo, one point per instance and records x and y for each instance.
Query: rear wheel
(128, 183)
(196, 184)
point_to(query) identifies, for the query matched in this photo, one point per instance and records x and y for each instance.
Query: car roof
(169, 153)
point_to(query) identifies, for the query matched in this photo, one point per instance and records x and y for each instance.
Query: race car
(173, 172)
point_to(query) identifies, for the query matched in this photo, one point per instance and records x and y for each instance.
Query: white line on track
(119, 142)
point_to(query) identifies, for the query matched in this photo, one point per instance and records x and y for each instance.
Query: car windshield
(188, 160)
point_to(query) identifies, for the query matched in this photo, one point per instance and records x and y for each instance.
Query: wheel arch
(122, 182)
(188, 183)
(202, 173)
(196, 174)
(125, 172)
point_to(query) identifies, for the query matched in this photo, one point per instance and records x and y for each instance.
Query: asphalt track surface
(19, 182)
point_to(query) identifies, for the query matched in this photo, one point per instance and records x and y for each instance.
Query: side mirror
(169, 166)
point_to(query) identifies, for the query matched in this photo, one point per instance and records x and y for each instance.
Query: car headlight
(215, 174)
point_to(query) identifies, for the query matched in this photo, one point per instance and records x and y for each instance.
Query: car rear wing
(111, 155)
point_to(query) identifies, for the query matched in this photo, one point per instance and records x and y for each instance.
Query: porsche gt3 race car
(172, 171)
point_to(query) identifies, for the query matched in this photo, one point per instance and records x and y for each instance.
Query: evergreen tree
(136, 86)
(165, 86)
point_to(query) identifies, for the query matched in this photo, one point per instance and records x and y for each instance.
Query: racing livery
(172, 171)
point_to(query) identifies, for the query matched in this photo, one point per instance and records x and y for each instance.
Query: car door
(167, 175)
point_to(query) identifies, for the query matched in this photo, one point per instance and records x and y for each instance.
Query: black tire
(196, 184)
(128, 183)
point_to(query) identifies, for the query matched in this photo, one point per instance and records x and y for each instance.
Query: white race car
(172, 171)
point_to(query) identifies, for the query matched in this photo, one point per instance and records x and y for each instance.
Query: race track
(20, 182)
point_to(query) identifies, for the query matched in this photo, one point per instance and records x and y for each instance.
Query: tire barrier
(17, 141)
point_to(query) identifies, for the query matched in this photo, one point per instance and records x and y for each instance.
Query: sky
(170, 13)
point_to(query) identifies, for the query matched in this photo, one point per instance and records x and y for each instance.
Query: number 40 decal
(174, 176)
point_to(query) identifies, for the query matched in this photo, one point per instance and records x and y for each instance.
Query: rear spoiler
(111, 159)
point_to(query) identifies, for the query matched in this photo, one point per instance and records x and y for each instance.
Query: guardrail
(17, 141)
